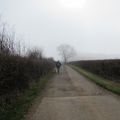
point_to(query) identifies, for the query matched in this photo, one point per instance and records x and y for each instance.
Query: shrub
(18, 71)
(109, 69)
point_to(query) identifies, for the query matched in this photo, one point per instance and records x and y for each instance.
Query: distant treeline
(17, 70)
(109, 69)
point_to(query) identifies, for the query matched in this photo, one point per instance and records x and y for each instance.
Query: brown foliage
(17, 72)
(109, 69)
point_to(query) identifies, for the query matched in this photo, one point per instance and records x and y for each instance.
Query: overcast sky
(92, 27)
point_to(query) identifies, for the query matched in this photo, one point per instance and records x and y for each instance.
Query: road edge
(98, 80)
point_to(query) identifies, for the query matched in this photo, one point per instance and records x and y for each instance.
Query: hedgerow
(108, 69)
(17, 70)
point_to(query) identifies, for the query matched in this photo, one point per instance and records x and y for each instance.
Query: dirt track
(70, 96)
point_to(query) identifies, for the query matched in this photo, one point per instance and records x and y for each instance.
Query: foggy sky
(92, 28)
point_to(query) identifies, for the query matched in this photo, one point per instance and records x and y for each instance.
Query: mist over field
(91, 27)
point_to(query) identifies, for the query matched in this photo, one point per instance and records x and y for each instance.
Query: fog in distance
(91, 27)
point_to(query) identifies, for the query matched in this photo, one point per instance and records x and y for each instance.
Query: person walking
(58, 65)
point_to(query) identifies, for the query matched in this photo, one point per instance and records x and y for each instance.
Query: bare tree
(35, 53)
(66, 52)
(6, 39)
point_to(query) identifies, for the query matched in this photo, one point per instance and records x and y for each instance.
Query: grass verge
(107, 84)
(23, 103)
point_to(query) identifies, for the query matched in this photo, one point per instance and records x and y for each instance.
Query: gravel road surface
(70, 96)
